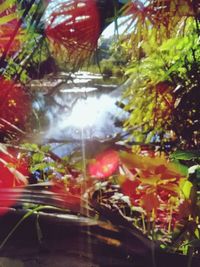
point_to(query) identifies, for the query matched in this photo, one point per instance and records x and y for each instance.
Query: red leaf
(7, 29)
(150, 202)
(13, 173)
(79, 27)
(129, 188)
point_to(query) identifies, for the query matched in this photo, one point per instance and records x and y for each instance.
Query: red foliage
(129, 188)
(133, 8)
(13, 173)
(15, 105)
(104, 165)
(6, 31)
(74, 25)
(155, 188)
(153, 199)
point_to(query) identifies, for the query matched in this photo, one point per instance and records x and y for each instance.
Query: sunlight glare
(87, 111)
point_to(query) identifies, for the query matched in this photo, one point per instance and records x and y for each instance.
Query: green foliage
(107, 68)
(161, 57)
(115, 58)
(153, 97)
(185, 155)
(27, 32)
(38, 156)
(42, 159)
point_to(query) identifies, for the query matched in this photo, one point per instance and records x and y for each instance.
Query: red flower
(104, 165)
(15, 105)
(13, 173)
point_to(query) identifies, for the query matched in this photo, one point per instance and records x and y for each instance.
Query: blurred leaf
(6, 19)
(150, 202)
(186, 188)
(45, 148)
(39, 166)
(184, 155)
(196, 232)
(31, 147)
(6, 4)
(38, 157)
(157, 164)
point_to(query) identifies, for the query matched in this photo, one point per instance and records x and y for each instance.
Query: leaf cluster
(162, 81)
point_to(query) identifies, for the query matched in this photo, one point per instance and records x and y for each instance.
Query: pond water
(81, 108)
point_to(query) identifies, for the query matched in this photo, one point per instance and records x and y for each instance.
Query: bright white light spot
(81, 5)
(88, 111)
(93, 112)
(59, 19)
(79, 90)
(83, 114)
(80, 18)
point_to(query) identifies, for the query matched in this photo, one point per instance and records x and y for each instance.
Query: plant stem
(29, 213)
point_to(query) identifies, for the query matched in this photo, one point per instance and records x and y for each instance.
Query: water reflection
(82, 104)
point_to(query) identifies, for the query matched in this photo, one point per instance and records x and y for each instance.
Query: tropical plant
(24, 32)
(34, 38)
(163, 98)
(150, 194)
(154, 197)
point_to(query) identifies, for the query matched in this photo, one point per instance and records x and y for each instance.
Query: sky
(110, 30)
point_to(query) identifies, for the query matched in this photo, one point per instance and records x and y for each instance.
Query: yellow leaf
(186, 188)
(157, 164)
(8, 18)
(6, 4)
(196, 232)
(121, 179)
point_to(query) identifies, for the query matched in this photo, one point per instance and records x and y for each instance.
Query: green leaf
(38, 157)
(39, 166)
(31, 147)
(186, 188)
(180, 167)
(196, 232)
(8, 18)
(184, 155)
(46, 148)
